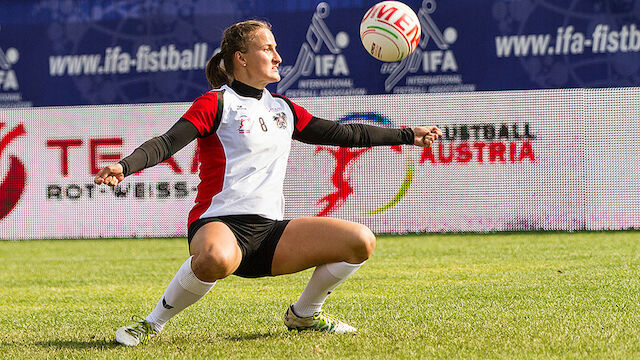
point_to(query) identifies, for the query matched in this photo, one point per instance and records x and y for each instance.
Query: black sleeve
(159, 148)
(325, 132)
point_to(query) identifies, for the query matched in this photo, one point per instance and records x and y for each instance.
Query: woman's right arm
(152, 152)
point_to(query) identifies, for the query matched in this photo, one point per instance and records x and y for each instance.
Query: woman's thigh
(309, 242)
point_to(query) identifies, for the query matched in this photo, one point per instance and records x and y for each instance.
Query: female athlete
(236, 226)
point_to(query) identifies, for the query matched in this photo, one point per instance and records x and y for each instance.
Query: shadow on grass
(97, 344)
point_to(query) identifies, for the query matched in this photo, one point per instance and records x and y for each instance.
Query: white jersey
(244, 146)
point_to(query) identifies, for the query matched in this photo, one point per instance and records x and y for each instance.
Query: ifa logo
(311, 60)
(13, 184)
(8, 79)
(439, 61)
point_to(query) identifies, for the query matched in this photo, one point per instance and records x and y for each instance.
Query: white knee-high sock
(324, 280)
(184, 290)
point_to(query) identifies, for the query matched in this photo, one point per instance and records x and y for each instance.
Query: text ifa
(8, 80)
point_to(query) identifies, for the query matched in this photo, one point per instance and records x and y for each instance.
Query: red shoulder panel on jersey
(302, 115)
(203, 111)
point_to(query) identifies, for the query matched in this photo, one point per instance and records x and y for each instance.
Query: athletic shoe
(136, 333)
(318, 322)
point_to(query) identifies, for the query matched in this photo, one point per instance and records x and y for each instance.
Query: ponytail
(216, 74)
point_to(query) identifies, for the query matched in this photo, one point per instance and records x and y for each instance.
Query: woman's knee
(214, 265)
(364, 244)
(215, 251)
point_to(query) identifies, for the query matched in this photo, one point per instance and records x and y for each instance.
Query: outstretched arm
(324, 132)
(150, 153)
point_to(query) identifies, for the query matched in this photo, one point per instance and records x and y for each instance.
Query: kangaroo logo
(12, 187)
(345, 159)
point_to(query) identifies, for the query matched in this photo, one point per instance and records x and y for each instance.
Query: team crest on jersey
(281, 120)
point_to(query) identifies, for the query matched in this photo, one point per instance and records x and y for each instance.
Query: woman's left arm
(325, 132)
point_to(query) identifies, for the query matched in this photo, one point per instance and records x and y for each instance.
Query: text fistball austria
(390, 31)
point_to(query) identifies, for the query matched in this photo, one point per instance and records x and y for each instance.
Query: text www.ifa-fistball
(390, 31)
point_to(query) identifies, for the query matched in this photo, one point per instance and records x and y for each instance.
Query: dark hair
(236, 38)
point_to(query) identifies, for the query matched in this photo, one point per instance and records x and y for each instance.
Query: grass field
(466, 296)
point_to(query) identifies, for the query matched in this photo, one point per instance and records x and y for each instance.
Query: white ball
(390, 31)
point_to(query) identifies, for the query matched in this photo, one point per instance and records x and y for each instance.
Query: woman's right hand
(110, 175)
(426, 135)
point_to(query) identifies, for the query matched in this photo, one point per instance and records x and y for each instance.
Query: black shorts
(257, 237)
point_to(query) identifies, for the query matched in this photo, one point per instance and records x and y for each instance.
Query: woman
(237, 227)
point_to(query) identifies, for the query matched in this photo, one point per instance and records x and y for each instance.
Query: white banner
(612, 158)
(519, 160)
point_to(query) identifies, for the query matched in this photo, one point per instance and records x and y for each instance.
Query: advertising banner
(49, 157)
(506, 161)
(83, 52)
(516, 160)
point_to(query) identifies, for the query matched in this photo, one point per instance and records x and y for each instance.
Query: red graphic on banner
(12, 187)
(345, 158)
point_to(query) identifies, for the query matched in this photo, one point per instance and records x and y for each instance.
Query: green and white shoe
(318, 322)
(135, 334)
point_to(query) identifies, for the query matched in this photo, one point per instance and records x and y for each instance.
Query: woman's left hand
(424, 136)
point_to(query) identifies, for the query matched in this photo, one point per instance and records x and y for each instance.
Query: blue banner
(57, 53)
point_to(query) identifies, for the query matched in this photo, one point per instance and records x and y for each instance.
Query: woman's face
(262, 60)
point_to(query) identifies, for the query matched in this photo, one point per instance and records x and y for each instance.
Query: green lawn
(461, 296)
